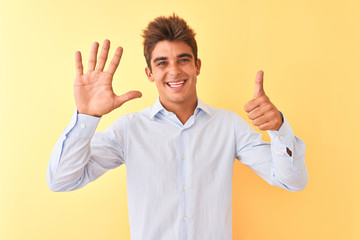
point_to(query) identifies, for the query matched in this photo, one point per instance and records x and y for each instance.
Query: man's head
(172, 28)
(171, 55)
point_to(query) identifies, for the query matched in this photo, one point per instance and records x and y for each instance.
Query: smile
(175, 84)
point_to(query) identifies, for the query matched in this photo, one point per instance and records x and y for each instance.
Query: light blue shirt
(179, 177)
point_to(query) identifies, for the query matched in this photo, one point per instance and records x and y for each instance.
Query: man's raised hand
(93, 90)
(260, 110)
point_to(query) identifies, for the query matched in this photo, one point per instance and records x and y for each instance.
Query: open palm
(93, 90)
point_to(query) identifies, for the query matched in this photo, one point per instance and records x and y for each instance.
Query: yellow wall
(308, 49)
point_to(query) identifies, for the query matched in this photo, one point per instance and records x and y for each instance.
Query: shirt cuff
(82, 125)
(284, 136)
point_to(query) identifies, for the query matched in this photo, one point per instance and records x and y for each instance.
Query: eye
(182, 60)
(161, 64)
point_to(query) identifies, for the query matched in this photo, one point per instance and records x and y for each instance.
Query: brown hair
(172, 28)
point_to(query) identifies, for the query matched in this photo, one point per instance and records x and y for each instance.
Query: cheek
(159, 83)
(191, 71)
(158, 76)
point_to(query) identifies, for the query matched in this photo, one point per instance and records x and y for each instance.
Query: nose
(174, 71)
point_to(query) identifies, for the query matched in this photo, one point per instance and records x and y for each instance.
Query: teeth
(175, 84)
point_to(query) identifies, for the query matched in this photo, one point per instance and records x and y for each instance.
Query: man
(179, 153)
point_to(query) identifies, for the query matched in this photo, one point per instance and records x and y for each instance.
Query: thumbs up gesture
(260, 110)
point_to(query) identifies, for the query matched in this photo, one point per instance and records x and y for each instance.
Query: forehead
(170, 49)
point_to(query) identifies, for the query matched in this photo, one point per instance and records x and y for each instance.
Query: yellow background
(308, 49)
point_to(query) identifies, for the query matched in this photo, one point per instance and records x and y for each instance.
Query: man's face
(174, 72)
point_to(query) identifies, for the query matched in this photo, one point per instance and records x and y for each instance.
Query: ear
(198, 66)
(149, 74)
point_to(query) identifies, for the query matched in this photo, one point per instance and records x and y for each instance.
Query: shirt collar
(158, 107)
(201, 105)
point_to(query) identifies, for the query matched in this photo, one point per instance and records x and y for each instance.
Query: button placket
(183, 180)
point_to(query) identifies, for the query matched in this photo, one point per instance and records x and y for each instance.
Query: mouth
(176, 84)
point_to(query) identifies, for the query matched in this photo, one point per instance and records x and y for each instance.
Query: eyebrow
(159, 59)
(178, 56)
(184, 55)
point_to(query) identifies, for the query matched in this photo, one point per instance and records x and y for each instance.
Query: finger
(103, 55)
(120, 100)
(115, 61)
(255, 103)
(259, 80)
(78, 63)
(260, 120)
(266, 126)
(92, 58)
(257, 112)
(271, 120)
(251, 105)
(269, 126)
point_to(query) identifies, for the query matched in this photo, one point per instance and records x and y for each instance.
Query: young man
(178, 153)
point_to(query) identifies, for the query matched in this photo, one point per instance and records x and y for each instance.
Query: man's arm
(284, 165)
(77, 157)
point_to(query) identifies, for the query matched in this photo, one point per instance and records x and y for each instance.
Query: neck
(183, 111)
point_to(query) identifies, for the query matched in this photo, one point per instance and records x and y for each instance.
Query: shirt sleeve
(271, 161)
(81, 156)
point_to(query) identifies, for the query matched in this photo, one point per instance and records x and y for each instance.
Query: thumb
(259, 87)
(120, 100)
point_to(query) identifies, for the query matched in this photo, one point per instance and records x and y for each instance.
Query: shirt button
(184, 187)
(183, 157)
(185, 218)
(82, 125)
(281, 137)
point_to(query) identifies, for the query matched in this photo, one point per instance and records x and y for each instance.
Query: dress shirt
(179, 176)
